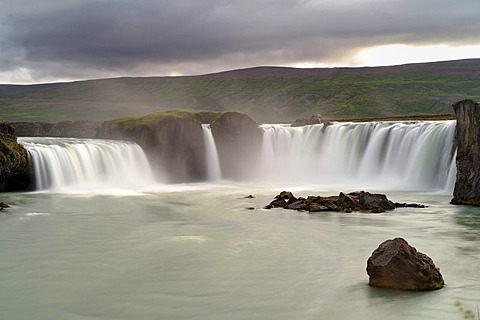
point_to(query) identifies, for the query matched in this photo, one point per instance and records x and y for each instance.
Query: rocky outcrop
(14, 165)
(397, 265)
(173, 142)
(239, 141)
(206, 117)
(315, 119)
(353, 201)
(467, 141)
(64, 129)
(3, 205)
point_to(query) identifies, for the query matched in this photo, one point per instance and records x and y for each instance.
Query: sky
(65, 40)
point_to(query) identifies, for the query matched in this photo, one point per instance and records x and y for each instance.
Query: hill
(267, 94)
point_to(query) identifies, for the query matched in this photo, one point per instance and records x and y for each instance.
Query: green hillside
(267, 94)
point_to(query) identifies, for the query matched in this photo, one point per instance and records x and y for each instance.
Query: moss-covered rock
(14, 164)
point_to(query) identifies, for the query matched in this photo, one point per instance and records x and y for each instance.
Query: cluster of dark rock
(3, 205)
(397, 265)
(354, 201)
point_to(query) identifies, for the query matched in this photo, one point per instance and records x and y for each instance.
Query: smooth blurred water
(198, 252)
(83, 165)
(402, 155)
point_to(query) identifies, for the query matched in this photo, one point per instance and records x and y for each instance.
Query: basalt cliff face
(14, 165)
(239, 141)
(467, 141)
(173, 142)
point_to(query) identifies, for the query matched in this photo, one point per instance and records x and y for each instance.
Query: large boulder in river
(239, 141)
(173, 142)
(467, 141)
(14, 165)
(397, 265)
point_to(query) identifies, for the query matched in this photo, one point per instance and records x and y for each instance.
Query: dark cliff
(173, 142)
(239, 141)
(467, 141)
(14, 165)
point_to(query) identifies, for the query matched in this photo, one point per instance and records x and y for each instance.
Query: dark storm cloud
(85, 38)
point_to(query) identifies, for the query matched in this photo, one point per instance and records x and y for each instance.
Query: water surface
(197, 252)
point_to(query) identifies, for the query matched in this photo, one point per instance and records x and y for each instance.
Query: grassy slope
(266, 94)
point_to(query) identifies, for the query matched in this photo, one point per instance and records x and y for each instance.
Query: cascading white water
(62, 164)
(410, 155)
(213, 163)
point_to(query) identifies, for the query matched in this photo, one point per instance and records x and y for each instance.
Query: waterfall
(408, 155)
(386, 155)
(213, 163)
(62, 164)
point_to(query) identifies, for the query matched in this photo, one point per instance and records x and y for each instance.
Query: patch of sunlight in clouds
(400, 54)
(396, 54)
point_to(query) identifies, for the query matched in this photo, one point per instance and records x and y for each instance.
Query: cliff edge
(14, 165)
(467, 141)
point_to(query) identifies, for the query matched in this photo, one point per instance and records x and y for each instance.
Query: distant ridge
(267, 93)
(464, 67)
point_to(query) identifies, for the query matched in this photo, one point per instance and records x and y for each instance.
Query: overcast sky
(57, 40)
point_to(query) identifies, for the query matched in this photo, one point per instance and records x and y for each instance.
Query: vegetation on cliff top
(155, 119)
(266, 94)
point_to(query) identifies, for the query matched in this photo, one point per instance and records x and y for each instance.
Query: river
(198, 251)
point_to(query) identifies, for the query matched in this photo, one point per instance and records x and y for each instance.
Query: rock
(397, 265)
(409, 205)
(374, 201)
(299, 205)
(282, 200)
(14, 164)
(239, 142)
(467, 142)
(347, 202)
(287, 195)
(316, 207)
